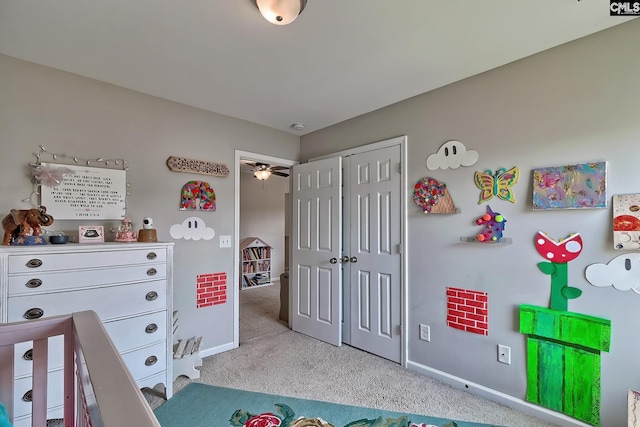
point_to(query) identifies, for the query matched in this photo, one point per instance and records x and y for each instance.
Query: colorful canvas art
(579, 186)
(626, 221)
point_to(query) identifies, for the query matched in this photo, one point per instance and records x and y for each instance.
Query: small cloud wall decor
(622, 272)
(451, 155)
(192, 228)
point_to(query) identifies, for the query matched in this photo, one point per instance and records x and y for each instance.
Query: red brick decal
(468, 310)
(211, 289)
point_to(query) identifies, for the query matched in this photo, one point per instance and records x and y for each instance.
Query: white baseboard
(215, 350)
(496, 396)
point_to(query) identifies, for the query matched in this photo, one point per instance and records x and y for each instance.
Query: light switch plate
(225, 241)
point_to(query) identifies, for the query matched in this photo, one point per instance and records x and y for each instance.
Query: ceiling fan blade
(277, 168)
(286, 175)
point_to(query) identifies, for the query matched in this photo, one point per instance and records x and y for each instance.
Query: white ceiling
(338, 60)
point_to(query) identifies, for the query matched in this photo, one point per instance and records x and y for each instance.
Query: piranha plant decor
(563, 348)
(559, 254)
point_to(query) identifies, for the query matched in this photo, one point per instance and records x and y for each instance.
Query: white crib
(98, 388)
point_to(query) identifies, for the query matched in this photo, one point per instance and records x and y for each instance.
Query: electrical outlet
(425, 332)
(504, 354)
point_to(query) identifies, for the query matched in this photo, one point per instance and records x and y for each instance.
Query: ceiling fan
(262, 171)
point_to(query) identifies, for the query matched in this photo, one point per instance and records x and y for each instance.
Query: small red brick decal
(468, 310)
(211, 289)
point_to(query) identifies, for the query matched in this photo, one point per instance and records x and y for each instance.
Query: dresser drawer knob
(33, 313)
(152, 272)
(151, 360)
(28, 355)
(151, 296)
(152, 255)
(34, 263)
(33, 283)
(151, 328)
(28, 396)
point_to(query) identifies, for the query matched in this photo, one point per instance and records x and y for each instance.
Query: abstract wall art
(579, 186)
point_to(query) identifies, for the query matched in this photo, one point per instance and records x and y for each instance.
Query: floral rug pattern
(286, 417)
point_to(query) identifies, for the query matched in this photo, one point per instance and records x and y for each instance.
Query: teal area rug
(200, 405)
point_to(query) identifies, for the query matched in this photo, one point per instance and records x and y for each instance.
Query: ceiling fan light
(262, 174)
(281, 12)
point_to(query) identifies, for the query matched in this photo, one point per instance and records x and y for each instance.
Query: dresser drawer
(109, 303)
(55, 393)
(23, 366)
(65, 262)
(38, 282)
(126, 335)
(136, 332)
(147, 361)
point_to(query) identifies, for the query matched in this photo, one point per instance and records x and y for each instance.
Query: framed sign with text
(86, 193)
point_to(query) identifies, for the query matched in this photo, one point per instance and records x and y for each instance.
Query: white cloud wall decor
(192, 228)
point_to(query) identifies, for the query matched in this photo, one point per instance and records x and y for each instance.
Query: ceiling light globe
(262, 174)
(280, 12)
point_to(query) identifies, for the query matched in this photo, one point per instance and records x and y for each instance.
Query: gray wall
(576, 103)
(85, 118)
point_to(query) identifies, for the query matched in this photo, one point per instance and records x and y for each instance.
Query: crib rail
(98, 388)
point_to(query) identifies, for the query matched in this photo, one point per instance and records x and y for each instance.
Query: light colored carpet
(273, 359)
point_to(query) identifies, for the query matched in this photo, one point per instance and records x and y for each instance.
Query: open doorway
(260, 228)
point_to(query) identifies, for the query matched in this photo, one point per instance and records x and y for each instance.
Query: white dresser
(129, 286)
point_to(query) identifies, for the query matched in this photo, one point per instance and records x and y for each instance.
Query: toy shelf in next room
(256, 263)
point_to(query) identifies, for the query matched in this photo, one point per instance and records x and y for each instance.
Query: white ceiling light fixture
(281, 12)
(262, 174)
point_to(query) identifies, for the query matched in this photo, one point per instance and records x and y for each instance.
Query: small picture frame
(90, 234)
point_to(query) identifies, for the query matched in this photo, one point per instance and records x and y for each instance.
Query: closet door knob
(354, 259)
(33, 283)
(34, 263)
(151, 360)
(151, 296)
(151, 328)
(333, 260)
(345, 259)
(152, 255)
(33, 313)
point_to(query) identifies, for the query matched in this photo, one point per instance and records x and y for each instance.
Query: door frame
(256, 157)
(404, 297)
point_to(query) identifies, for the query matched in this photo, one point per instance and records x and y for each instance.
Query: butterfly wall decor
(497, 184)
